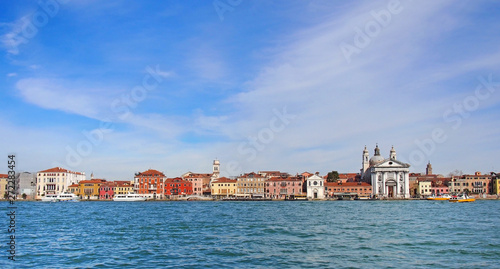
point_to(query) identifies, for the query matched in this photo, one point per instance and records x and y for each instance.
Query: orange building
(351, 189)
(178, 186)
(89, 189)
(150, 184)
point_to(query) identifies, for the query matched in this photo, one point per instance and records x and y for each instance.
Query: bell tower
(365, 162)
(393, 153)
(216, 169)
(428, 169)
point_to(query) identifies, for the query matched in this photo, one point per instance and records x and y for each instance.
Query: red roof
(59, 170)
(347, 184)
(224, 180)
(4, 176)
(92, 181)
(194, 175)
(177, 179)
(151, 173)
(73, 186)
(284, 179)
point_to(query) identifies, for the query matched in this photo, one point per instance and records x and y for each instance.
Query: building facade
(224, 187)
(283, 187)
(251, 185)
(150, 184)
(315, 187)
(389, 177)
(177, 187)
(27, 185)
(107, 190)
(199, 181)
(56, 180)
(341, 189)
(89, 189)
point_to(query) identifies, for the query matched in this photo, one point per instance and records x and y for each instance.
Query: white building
(315, 187)
(389, 177)
(56, 180)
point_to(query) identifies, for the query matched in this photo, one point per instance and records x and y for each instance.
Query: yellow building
(74, 188)
(251, 185)
(3, 185)
(123, 187)
(424, 188)
(224, 187)
(495, 186)
(89, 189)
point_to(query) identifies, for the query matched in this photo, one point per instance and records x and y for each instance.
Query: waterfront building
(389, 177)
(56, 180)
(251, 185)
(342, 190)
(74, 188)
(477, 184)
(26, 184)
(349, 177)
(271, 174)
(177, 187)
(107, 190)
(199, 181)
(437, 190)
(495, 184)
(424, 188)
(3, 186)
(123, 187)
(224, 187)
(283, 187)
(315, 187)
(150, 184)
(89, 189)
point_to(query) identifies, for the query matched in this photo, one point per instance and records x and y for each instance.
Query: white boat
(61, 197)
(129, 197)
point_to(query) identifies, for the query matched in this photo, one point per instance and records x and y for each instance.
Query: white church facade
(390, 178)
(315, 187)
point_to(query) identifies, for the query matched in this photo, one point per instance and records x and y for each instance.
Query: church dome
(376, 160)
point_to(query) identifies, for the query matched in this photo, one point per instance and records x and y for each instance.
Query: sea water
(299, 234)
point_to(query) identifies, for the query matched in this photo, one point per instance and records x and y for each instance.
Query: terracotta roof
(73, 186)
(284, 179)
(59, 170)
(177, 179)
(4, 175)
(225, 180)
(197, 175)
(92, 181)
(151, 173)
(347, 184)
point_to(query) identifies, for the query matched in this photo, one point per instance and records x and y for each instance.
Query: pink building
(439, 189)
(199, 181)
(283, 187)
(106, 191)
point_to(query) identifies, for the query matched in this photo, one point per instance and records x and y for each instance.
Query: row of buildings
(379, 177)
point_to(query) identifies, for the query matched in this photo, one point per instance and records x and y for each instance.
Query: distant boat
(61, 197)
(442, 197)
(461, 198)
(129, 197)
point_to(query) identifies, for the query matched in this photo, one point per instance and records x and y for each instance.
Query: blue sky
(117, 87)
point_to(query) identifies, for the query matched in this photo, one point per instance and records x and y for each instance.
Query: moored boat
(61, 197)
(461, 198)
(129, 197)
(442, 197)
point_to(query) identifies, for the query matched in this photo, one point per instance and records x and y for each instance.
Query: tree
(332, 176)
(456, 173)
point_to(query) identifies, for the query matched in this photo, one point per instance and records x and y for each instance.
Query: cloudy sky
(116, 87)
